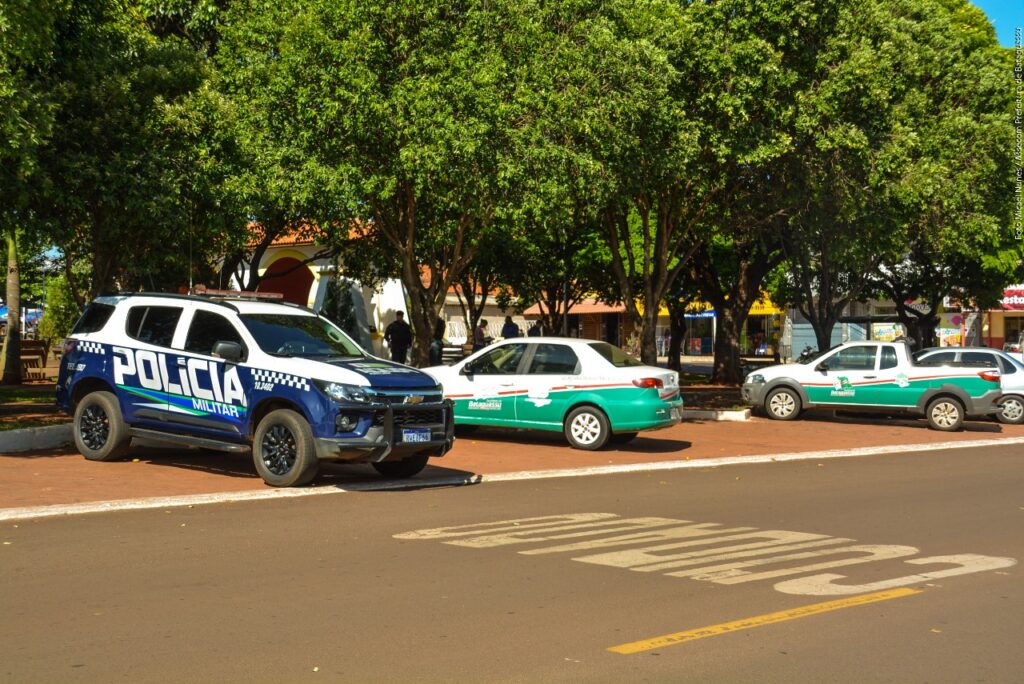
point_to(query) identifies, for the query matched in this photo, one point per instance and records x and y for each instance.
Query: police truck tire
(283, 450)
(587, 428)
(99, 429)
(1011, 410)
(782, 404)
(407, 467)
(945, 414)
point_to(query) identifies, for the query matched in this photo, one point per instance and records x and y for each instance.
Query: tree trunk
(823, 332)
(728, 369)
(649, 335)
(12, 343)
(677, 327)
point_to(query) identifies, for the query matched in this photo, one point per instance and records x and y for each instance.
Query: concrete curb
(702, 414)
(29, 439)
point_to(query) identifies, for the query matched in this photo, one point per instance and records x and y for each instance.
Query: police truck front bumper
(398, 432)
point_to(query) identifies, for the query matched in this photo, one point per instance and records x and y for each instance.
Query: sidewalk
(64, 477)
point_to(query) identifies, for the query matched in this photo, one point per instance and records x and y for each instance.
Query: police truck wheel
(945, 413)
(407, 467)
(782, 404)
(587, 428)
(99, 430)
(1011, 411)
(283, 451)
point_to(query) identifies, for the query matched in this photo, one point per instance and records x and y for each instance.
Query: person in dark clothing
(480, 337)
(510, 329)
(398, 335)
(437, 344)
(534, 330)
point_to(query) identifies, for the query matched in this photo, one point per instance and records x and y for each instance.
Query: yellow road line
(760, 620)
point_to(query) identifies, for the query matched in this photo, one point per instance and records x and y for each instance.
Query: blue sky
(1006, 15)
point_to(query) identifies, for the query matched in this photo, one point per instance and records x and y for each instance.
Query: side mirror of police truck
(823, 367)
(229, 351)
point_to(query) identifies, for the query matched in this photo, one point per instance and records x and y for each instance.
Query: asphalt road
(356, 587)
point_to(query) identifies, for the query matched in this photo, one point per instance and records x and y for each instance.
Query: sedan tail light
(649, 383)
(991, 376)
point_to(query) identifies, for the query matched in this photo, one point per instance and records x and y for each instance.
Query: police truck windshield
(303, 336)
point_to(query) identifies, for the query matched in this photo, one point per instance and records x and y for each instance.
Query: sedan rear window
(614, 355)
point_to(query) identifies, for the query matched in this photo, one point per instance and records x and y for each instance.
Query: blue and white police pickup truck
(237, 373)
(880, 377)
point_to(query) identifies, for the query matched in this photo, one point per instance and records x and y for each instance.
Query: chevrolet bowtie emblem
(413, 399)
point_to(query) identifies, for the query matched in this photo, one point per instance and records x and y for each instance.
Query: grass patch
(33, 422)
(19, 394)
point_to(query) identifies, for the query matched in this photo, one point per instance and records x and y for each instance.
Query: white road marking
(30, 512)
(706, 562)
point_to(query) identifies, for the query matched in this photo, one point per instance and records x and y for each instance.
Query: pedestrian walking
(398, 335)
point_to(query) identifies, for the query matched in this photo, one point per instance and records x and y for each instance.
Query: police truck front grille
(408, 417)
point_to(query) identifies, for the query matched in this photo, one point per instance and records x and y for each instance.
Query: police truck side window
(207, 329)
(889, 359)
(95, 317)
(153, 324)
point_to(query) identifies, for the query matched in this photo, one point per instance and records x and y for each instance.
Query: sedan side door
(486, 393)
(552, 373)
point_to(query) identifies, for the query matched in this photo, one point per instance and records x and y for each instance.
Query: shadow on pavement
(645, 442)
(989, 426)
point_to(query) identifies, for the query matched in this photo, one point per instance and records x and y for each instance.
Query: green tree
(398, 116)
(949, 195)
(118, 177)
(27, 38)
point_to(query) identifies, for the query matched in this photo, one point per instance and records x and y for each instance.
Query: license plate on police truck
(415, 435)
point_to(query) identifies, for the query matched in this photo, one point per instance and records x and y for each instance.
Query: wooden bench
(33, 359)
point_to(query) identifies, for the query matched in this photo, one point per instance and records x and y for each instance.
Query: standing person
(437, 344)
(510, 329)
(534, 330)
(480, 338)
(398, 335)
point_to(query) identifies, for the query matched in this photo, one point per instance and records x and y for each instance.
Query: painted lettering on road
(708, 552)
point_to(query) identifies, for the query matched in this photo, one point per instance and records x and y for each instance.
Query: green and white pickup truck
(876, 377)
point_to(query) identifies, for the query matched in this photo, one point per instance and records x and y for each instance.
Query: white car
(1011, 374)
(591, 391)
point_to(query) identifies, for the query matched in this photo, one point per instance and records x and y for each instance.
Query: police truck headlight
(755, 379)
(341, 392)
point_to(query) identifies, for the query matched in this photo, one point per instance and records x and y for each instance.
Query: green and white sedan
(591, 391)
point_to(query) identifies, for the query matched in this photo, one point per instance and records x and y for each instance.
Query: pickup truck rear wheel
(782, 404)
(99, 429)
(945, 413)
(407, 467)
(1011, 410)
(283, 451)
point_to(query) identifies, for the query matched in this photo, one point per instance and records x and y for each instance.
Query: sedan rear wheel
(587, 428)
(1011, 410)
